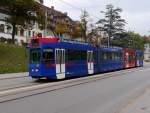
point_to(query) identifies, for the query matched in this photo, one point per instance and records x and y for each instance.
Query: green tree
(137, 41)
(77, 30)
(112, 23)
(23, 13)
(146, 39)
(130, 40)
(61, 28)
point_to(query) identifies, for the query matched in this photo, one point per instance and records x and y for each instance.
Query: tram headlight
(36, 70)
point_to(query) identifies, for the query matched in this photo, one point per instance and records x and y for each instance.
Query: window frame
(52, 57)
(31, 57)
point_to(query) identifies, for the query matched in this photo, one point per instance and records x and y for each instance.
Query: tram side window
(71, 55)
(131, 58)
(118, 56)
(83, 55)
(141, 57)
(109, 56)
(35, 56)
(103, 56)
(138, 57)
(113, 54)
(121, 55)
(76, 55)
(94, 56)
(48, 56)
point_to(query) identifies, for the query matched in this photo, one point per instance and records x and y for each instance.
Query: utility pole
(45, 30)
(110, 23)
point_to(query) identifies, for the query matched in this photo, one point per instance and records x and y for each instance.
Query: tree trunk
(85, 30)
(13, 33)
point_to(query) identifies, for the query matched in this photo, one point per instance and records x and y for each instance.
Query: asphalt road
(103, 96)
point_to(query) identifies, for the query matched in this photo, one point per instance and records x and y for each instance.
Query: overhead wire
(75, 7)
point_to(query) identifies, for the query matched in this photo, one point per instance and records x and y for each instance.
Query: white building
(22, 35)
(147, 52)
(53, 17)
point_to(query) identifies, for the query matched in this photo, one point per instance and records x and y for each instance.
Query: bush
(2, 39)
(9, 41)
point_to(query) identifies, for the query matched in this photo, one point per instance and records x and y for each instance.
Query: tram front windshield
(35, 56)
(48, 55)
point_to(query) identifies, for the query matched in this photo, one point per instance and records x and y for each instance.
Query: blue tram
(54, 58)
(59, 60)
(139, 58)
(110, 58)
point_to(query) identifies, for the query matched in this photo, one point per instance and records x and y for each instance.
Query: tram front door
(90, 62)
(60, 63)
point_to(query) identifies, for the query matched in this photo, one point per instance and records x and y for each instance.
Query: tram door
(60, 63)
(127, 60)
(138, 59)
(90, 62)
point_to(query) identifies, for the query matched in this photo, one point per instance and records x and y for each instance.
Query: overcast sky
(135, 12)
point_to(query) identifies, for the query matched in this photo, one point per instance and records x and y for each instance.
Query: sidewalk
(140, 105)
(13, 75)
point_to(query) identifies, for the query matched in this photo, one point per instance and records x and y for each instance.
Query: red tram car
(129, 58)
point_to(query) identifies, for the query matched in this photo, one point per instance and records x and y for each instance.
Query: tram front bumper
(35, 73)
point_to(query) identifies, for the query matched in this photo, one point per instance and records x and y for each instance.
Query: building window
(2, 28)
(21, 32)
(33, 33)
(16, 33)
(40, 35)
(29, 33)
(9, 29)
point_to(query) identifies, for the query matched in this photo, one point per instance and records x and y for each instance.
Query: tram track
(35, 89)
(15, 86)
(32, 83)
(14, 77)
(18, 82)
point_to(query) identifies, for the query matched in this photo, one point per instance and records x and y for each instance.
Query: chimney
(65, 13)
(52, 7)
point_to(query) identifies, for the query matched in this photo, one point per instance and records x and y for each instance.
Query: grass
(13, 59)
